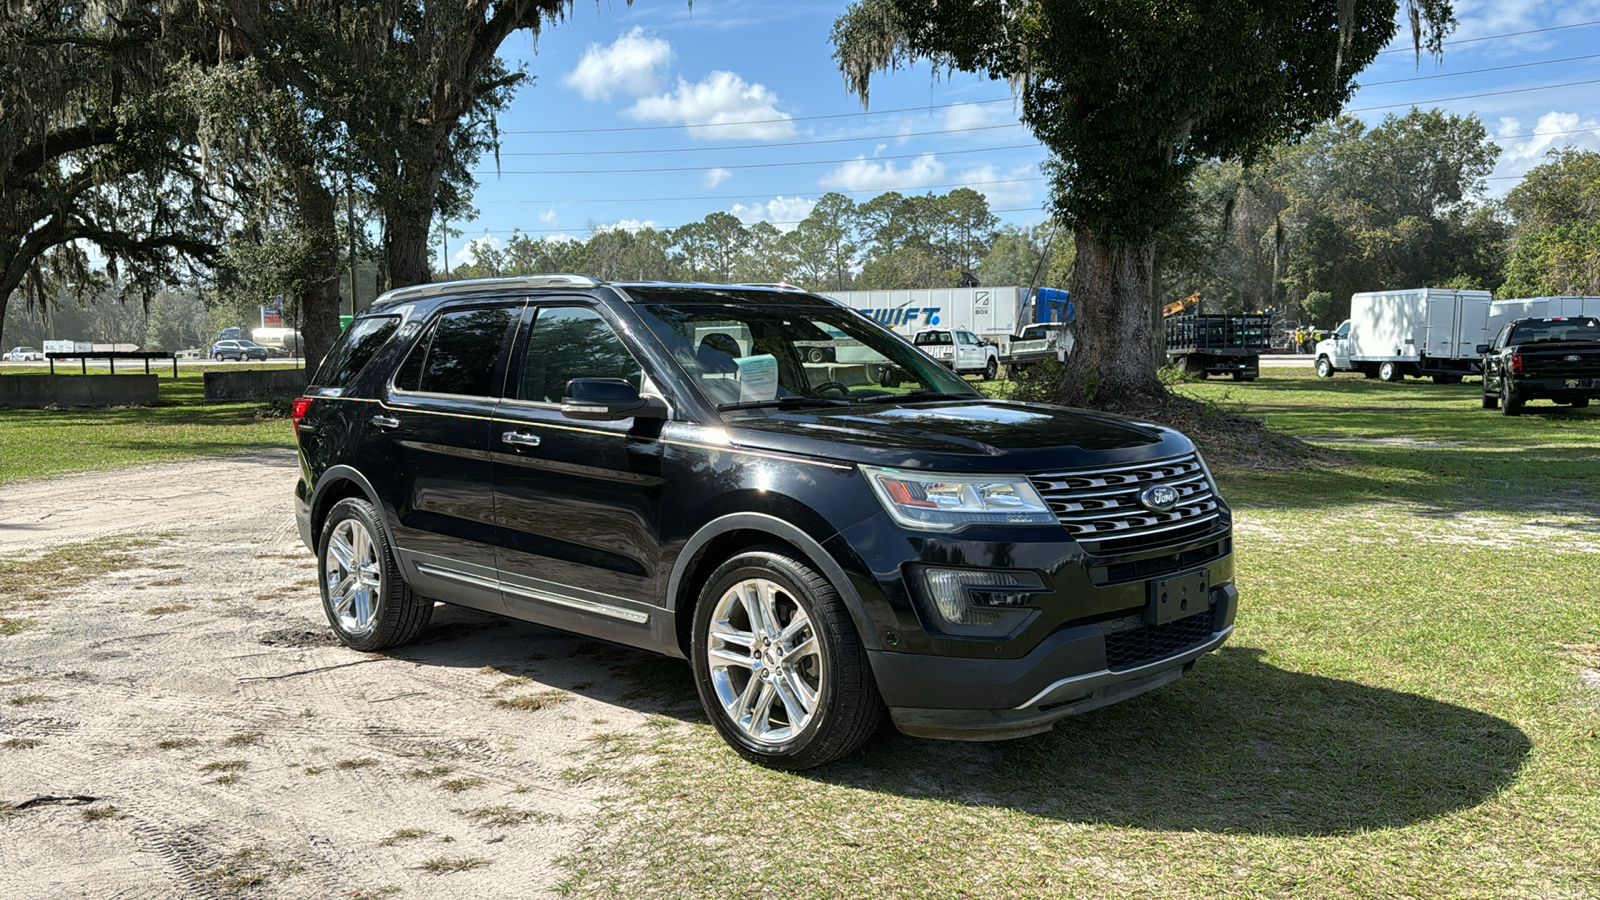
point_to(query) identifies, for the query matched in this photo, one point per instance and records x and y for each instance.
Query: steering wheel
(839, 386)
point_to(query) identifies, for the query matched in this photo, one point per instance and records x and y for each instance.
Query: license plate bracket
(1178, 598)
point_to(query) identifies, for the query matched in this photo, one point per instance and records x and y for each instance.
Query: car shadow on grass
(1239, 745)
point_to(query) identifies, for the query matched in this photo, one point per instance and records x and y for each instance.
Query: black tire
(1390, 372)
(847, 708)
(816, 355)
(991, 369)
(1324, 367)
(1510, 403)
(1490, 401)
(1580, 403)
(400, 613)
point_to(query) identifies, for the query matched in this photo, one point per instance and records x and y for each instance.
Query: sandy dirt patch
(187, 727)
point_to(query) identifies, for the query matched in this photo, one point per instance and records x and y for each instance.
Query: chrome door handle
(384, 422)
(520, 439)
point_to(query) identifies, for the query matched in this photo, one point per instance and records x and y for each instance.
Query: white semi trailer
(1424, 332)
(989, 312)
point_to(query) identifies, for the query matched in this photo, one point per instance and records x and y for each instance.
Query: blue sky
(661, 114)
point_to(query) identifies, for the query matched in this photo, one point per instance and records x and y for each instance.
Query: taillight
(1516, 363)
(298, 409)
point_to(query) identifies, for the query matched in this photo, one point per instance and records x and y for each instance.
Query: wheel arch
(340, 483)
(721, 538)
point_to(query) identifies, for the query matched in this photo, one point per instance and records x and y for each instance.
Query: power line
(777, 165)
(778, 121)
(1513, 137)
(931, 107)
(756, 196)
(1545, 62)
(1491, 37)
(671, 227)
(850, 140)
(1545, 87)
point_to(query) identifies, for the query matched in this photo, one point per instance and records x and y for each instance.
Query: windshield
(1035, 333)
(1537, 330)
(747, 354)
(925, 338)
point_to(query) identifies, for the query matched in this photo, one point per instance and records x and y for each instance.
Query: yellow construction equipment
(1178, 306)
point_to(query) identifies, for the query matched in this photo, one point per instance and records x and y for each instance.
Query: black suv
(663, 467)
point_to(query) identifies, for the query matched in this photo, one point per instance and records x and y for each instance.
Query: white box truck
(1423, 332)
(1503, 312)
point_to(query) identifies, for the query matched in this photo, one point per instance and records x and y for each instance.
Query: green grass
(1407, 708)
(35, 443)
(29, 582)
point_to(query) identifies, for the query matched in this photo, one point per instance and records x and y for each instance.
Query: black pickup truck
(1555, 359)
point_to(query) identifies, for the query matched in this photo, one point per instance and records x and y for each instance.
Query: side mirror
(1482, 349)
(608, 399)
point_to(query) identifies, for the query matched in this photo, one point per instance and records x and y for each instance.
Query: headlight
(931, 501)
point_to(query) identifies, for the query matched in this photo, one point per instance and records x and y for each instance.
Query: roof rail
(780, 285)
(434, 289)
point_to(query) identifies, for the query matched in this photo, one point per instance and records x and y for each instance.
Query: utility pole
(350, 213)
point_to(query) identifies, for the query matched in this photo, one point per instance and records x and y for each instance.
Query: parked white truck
(1503, 311)
(1424, 332)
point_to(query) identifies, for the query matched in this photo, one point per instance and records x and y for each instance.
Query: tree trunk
(319, 296)
(406, 249)
(1114, 363)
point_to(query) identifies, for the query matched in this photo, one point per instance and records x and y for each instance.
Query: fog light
(979, 602)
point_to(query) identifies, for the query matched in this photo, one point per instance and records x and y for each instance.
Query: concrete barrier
(39, 391)
(255, 384)
(851, 374)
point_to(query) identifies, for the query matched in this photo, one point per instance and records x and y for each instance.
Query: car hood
(960, 435)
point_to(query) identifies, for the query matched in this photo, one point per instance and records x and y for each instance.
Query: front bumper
(1067, 674)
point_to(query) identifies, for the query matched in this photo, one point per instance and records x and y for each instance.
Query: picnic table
(112, 356)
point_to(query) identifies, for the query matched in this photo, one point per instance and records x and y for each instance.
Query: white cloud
(784, 212)
(714, 177)
(738, 109)
(548, 216)
(465, 255)
(862, 174)
(1554, 129)
(624, 225)
(1012, 194)
(968, 115)
(629, 64)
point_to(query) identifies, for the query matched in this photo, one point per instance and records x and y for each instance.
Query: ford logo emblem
(1571, 359)
(1159, 498)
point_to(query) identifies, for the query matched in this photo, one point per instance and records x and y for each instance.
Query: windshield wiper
(783, 403)
(908, 395)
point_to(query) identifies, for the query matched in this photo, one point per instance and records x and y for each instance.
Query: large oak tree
(94, 149)
(1129, 96)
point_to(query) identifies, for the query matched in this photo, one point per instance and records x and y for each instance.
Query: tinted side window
(353, 350)
(458, 354)
(570, 342)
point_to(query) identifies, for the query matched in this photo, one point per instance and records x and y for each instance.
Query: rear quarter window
(354, 349)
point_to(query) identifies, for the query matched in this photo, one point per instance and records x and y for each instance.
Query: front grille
(1100, 508)
(1130, 643)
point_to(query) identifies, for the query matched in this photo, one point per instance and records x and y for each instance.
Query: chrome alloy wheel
(354, 577)
(765, 660)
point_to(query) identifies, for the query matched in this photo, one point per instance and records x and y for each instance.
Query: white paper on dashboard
(758, 377)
